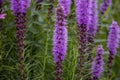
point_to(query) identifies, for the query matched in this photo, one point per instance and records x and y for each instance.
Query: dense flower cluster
(93, 17)
(66, 4)
(97, 67)
(60, 40)
(82, 13)
(19, 8)
(104, 6)
(113, 42)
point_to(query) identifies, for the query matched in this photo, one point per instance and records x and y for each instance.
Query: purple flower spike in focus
(113, 42)
(82, 13)
(66, 4)
(19, 8)
(97, 66)
(60, 40)
(92, 28)
(104, 6)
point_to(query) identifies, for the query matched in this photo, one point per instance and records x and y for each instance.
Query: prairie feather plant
(93, 24)
(19, 8)
(113, 43)
(82, 13)
(97, 66)
(60, 40)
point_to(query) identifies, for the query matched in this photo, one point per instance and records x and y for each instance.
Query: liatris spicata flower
(60, 40)
(66, 4)
(38, 4)
(113, 42)
(97, 66)
(19, 8)
(82, 13)
(104, 6)
(93, 23)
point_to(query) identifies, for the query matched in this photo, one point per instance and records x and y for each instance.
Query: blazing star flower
(19, 8)
(93, 23)
(104, 6)
(60, 40)
(66, 4)
(97, 66)
(82, 13)
(113, 42)
(92, 27)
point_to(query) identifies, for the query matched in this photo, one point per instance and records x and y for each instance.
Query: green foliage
(39, 63)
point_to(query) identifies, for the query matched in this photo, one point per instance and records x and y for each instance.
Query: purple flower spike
(60, 40)
(20, 5)
(82, 13)
(104, 6)
(93, 23)
(97, 66)
(66, 4)
(113, 42)
(19, 8)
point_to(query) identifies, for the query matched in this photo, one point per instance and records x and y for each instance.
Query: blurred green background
(39, 64)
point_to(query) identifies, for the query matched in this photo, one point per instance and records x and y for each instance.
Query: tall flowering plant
(113, 43)
(60, 40)
(19, 8)
(82, 13)
(97, 66)
(92, 28)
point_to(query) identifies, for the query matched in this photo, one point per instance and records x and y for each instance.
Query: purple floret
(66, 4)
(104, 6)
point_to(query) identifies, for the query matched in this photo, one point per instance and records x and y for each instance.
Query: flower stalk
(82, 13)
(113, 44)
(19, 8)
(60, 40)
(97, 66)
